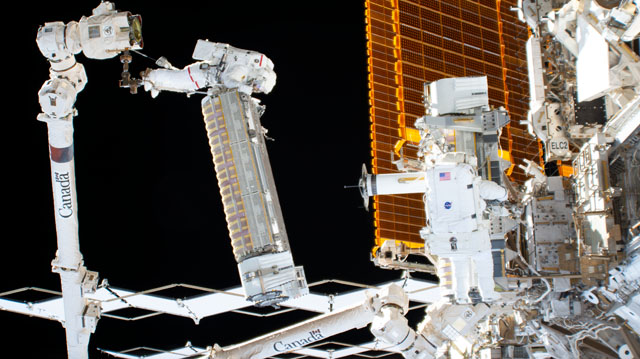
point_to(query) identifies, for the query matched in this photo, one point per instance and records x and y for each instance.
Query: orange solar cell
(415, 41)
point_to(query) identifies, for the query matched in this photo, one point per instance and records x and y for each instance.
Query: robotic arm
(446, 327)
(103, 35)
(384, 310)
(390, 326)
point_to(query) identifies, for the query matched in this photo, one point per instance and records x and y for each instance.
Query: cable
(143, 55)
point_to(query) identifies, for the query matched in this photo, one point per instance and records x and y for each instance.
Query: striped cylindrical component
(227, 178)
(63, 179)
(250, 200)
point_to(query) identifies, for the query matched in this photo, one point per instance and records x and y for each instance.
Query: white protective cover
(104, 36)
(451, 202)
(592, 65)
(536, 79)
(396, 183)
(457, 95)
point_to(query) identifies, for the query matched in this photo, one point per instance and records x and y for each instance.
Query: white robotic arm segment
(57, 97)
(55, 41)
(456, 326)
(108, 32)
(385, 310)
(390, 325)
(101, 36)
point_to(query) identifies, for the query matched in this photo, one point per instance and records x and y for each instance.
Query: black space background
(149, 208)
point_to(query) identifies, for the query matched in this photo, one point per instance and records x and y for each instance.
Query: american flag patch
(445, 176)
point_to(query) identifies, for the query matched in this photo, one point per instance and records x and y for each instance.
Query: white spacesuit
(457, 233)
(220, 65)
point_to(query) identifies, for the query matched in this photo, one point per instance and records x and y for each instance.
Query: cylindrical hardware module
(250, 201)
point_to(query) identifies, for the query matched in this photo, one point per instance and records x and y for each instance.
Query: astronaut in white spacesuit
(220, 66)
(457, 232)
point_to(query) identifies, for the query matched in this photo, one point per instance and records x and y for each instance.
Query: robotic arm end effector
(390, 325)
(101, 36)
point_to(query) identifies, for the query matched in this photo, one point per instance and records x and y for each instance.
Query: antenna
(362, 184)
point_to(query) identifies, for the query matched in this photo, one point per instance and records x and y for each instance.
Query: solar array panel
(411, 42)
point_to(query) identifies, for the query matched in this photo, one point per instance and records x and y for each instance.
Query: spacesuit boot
(461, 278)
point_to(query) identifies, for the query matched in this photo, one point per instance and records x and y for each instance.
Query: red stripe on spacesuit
(195, 82)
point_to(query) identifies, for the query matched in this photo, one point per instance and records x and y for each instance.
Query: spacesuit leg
(460, 266)
(484, 272)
